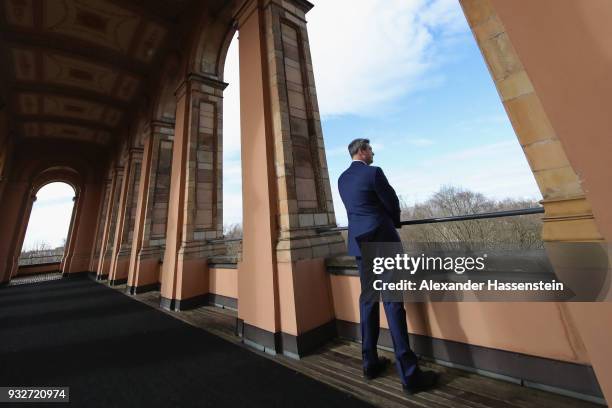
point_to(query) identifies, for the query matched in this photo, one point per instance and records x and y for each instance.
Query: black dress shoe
(376, 369)
(423, 381)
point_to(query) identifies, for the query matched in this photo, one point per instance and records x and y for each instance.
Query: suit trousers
(369, 311)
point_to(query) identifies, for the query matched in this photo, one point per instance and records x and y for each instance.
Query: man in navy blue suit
(373, 213)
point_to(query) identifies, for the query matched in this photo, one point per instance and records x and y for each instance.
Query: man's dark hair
(357, 145)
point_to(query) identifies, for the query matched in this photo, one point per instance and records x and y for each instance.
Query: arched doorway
(47, 231)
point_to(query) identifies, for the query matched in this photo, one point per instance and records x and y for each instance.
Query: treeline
(41, 252)
(516, 232)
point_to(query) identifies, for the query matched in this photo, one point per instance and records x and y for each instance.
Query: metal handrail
(41, 256)
(467, 217)
(213, 241)
(39, 260)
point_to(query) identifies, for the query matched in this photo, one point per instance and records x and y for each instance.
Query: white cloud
(336, 151)
(418, 141)
(498, 170)
(232, 173)
(50, 217)
(232, 192)
(231, 102)
(368, 52)
(482, 124)
(232, 206)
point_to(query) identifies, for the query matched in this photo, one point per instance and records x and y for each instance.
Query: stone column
(148, 241)
(82, 240)
(194, 213)
(71, 238)
(110, 224)
(15, 207)
(100, 224)
(120, 260)
(283, 288)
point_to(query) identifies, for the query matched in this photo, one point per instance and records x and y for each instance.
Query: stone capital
(298, 8)
(167, 124)
(193, 79)
(136, 153)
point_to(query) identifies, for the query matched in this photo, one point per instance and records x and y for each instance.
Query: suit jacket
(371, 204)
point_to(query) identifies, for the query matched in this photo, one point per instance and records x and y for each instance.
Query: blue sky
(406, 74)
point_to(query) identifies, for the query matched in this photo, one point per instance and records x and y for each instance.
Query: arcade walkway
(115, 351)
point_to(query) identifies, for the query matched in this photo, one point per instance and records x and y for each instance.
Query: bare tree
(519, 232)
(231, 231)
(40, 252)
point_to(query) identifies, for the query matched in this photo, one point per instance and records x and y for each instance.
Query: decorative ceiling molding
(74, 69)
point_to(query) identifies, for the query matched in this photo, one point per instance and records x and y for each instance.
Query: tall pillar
(100, 224)
(6, 147)
(194, 213)
(110, 224)
(71, 237)
(149, 236)
(15, 207)
(556, 98)
(120, 257)
(82, 240)
(283, 288)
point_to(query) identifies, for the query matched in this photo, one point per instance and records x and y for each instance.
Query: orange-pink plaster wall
(565, 48)
(12, 210)
(539, 329)
(38, 269)
(85, 228)
(223, 281)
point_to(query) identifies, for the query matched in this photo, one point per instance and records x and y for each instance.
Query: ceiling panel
(73, 67)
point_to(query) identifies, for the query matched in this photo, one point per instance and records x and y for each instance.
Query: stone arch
(39, 178)
(164, 106)
(58, 174)
(208, 52)
(33, 165)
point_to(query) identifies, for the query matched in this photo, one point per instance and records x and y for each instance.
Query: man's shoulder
(343, 174)
(359, 171)
(375, 170)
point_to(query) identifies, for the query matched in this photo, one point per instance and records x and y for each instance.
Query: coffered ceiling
(72, 69)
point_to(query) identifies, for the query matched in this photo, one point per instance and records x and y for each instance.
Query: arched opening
(48, 227)
(431, 110)
(232, 169)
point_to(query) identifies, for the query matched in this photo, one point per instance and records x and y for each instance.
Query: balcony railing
(43, 257)
(467, 217)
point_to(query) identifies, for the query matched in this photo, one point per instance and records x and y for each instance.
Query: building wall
(565, 48)
(38, 269)
(538, 329)
(223, 281)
